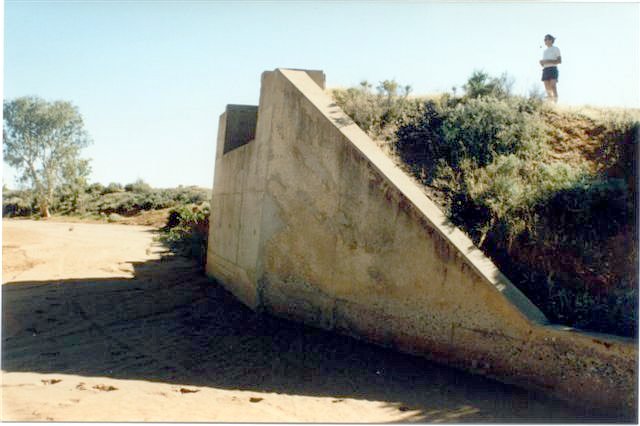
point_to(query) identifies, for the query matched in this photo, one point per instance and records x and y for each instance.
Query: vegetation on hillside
(548, 193)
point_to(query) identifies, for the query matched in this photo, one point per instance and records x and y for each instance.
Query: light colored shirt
(550, 54)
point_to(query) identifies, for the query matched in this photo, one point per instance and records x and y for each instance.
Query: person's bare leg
(552, 92)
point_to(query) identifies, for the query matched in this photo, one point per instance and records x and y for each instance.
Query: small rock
(105, 388)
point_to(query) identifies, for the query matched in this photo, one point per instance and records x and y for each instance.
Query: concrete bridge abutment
(311, 221)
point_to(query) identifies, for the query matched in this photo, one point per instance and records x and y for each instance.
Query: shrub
(485, 156)
(138, 198)
(187, 231)
(379, 113)
(419, 142)
(114, 217)
(103, 201)
(17, 203)
(481, 84)
(112, 188)
(509, 190)
(481, 128)
(139, 186)
(95, 188)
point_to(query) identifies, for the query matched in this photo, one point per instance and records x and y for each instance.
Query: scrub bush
(379, 113)
(481, 84)
(112, 188)
(139, 186)
(187, 231)
(17, 203)
(102, 201)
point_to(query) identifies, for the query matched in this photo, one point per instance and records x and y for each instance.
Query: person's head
(549, 39)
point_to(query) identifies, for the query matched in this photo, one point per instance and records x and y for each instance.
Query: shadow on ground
(171, 324)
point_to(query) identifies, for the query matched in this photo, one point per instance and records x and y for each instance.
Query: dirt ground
(98, 325)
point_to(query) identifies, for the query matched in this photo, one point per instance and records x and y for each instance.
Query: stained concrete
(312, 221)
(240, 126)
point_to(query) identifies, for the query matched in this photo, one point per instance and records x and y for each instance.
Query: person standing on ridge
(550, 59)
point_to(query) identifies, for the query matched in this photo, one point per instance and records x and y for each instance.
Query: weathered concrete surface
(311, 221)
(240, 126)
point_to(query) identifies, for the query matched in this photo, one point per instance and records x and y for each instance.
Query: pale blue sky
(151, 77)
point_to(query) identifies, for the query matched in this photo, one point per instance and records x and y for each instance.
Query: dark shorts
(550, 73)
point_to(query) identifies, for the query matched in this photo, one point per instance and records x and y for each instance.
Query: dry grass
(155, 218)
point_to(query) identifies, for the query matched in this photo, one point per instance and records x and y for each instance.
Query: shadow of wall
(171, 324)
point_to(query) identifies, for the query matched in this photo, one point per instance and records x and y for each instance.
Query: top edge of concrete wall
(241, 107)
(317, 76)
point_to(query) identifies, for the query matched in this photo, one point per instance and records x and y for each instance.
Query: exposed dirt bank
(96, 326)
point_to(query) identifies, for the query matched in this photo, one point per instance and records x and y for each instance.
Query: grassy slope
(579, 270)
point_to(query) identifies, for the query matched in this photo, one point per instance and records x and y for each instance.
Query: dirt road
(97, 326)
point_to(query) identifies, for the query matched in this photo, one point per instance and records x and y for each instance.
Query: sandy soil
(98, 326)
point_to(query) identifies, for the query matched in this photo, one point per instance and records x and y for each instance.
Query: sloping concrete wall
(311, 221)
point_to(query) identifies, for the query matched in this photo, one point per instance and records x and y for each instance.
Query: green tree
(42, 140)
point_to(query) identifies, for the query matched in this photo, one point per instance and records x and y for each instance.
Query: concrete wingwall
(311, 221)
